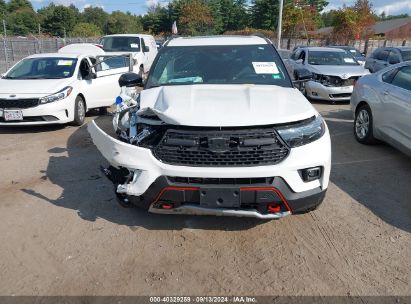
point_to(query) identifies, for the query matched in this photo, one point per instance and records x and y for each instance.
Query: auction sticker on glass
(13, 115)
(265, 68)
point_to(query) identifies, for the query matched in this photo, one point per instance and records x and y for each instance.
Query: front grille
(18, 103)
(226, 148)
(220, 181)
(342, 95)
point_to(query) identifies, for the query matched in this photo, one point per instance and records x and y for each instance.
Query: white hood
(226, 105)
(32, 87)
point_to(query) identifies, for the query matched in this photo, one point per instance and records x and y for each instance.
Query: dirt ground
(63, 233)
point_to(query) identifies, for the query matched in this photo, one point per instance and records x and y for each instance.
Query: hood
(40, 87)
(226, 105)
(343, 71)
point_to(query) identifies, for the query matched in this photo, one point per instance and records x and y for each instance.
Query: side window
(296, 54)
(84, 69)
(403, 78)
(374, 54)
(393, 57)
(389, 76)
(383, 55)
(110, 63)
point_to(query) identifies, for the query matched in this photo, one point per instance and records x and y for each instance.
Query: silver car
(381, 104)
(334, 72)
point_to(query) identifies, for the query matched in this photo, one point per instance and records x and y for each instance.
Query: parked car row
(221, 126)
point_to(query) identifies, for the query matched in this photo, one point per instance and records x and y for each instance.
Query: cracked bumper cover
(150, 175)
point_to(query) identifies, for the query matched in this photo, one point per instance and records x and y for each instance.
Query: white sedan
(58, 88)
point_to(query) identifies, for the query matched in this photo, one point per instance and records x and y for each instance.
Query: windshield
(406, 55)
(120, 44)
(43, 68)
(244, 64)
(330, 58)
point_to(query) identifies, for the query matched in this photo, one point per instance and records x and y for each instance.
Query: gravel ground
(63, 233)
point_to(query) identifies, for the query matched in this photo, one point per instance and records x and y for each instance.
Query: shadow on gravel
(378, 176)
(86, 190)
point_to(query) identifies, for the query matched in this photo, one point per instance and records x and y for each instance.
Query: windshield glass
(330, 58)
(244, 64)
(43, 68)
(406, 55)
(120, 44)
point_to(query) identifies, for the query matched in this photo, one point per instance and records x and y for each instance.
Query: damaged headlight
(64, 93)
(304, 133)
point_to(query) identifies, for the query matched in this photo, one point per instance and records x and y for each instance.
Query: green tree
(120, 23)
(58, 18)
(96, 16)
(264, 14)
(344, 25)
(365, 17)
(22, 21)
(84, 29)
(157, 20)
(14, 5)
(3, 8)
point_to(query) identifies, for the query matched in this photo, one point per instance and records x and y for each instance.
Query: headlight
(303, 133)
(64, 93)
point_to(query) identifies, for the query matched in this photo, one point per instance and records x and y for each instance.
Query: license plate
(219, 197)
(12, 115)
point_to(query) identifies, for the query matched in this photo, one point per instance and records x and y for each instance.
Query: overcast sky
(140, 6)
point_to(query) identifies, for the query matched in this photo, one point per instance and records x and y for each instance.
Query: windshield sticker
(265, 68)
(134, 45)
(65, 62)
(349, 60)
(66, 73)
(277, 76)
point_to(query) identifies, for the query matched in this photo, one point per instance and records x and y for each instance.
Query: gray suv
(386, 56)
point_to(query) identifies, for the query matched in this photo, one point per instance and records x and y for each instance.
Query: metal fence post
(6, 57)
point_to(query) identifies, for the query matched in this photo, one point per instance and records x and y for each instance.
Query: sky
(139, 7)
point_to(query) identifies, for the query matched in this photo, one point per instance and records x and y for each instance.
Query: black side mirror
(130, 80)
(146, 49)
(303, 75)
(90, 75)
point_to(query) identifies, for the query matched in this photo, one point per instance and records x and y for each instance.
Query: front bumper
(316, 90)
(148, 173)
(58, 112)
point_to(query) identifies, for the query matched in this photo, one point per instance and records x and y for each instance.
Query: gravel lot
(63, 233)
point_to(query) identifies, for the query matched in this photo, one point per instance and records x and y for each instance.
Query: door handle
(386, 92)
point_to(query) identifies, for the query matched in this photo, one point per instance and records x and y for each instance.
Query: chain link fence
(15, 49)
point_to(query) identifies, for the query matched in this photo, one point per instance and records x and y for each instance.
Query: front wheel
(363, 125)
(79, 111)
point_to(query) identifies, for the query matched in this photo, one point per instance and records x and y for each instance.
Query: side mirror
(130, 80)
(303, 75)
(299, 61)
(146, 49)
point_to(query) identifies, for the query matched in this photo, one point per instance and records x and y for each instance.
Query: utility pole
(280, 21)
(5, 44)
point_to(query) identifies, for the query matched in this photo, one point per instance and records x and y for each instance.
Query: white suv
(142, 47)
(219, 129)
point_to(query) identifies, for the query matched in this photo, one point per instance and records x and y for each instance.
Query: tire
(79, 111)
(141, 71)
(363, 125)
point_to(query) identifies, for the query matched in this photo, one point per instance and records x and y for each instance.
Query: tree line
(193, 17)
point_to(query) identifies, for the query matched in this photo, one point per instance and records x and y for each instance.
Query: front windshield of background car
(244, 64)
(43, 68)
(121, 44)
(355, 52)
(406, 55)
(330, 58)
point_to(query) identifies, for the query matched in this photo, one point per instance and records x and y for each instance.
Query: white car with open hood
(61, 87)
(219, 129)
(334, 70)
